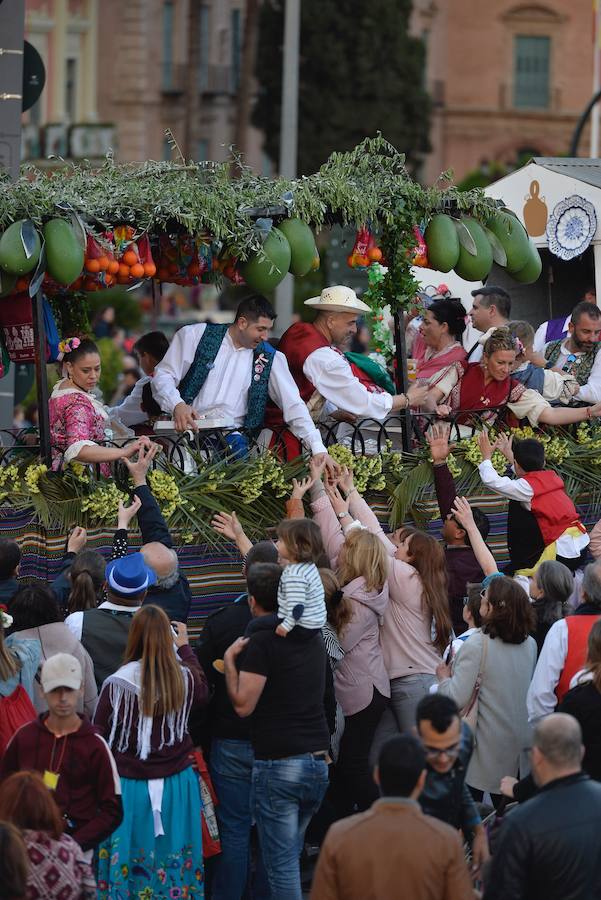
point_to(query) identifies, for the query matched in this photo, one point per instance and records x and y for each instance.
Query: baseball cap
(129, 575)
(61, 670)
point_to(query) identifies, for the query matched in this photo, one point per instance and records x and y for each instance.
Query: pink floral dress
(76, 421)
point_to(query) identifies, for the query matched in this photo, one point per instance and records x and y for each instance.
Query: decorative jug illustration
(535, 211)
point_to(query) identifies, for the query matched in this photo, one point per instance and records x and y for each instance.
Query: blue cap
(129, 575)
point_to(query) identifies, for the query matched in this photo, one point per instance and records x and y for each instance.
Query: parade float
(71, 233)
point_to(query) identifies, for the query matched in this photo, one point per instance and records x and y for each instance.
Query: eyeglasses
(436, 752)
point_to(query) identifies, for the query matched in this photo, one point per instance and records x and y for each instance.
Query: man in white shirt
(234, 371)
(321, 370)
(564, 650)
(579, 354)
(491, 308)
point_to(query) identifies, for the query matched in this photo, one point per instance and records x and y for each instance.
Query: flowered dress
(78, 420)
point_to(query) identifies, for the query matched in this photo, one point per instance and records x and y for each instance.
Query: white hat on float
(338, 298)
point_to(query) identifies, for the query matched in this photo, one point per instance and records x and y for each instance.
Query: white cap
(61, 670)
(338, 298)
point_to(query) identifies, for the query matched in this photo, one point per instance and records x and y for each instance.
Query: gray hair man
(549, 847)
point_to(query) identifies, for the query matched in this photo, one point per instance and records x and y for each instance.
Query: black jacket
(584, 703)
(446, 796)
(220, 630)
(550, 847)
(175, 600)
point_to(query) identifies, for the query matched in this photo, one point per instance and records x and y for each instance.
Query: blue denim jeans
(231, 765)
(286, 794)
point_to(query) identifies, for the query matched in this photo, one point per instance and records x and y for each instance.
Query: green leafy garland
(369, 183)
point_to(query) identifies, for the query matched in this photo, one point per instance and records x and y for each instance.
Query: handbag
(211, 845)
(469, 713)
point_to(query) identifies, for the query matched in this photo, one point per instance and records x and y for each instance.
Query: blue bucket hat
(129, 575)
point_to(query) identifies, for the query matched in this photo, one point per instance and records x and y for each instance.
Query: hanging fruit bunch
(133, 255)
(20, 248)
(64, 257)
(365, 250)
(100, 265)
(184, 259)
(288, 247)
(420, 251)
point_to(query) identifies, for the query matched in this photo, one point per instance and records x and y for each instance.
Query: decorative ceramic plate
(571, 227)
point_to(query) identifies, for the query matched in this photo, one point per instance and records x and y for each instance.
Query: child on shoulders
(301, 598)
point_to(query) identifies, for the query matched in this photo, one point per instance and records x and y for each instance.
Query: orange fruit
(92, 265)
(361, 261)
(163, 274)
(113, 266)
(137, 270)
(150, 269)
(375, 254)
(123, 270)
(103, 262)
(130, 258)
(108, 279)
(22, 284)
(90, 285)
(122, 279)
(350, 261)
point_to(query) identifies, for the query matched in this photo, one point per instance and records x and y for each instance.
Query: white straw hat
(338, 298)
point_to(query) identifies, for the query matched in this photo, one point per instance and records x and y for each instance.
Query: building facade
(507, 79)
(120, 74)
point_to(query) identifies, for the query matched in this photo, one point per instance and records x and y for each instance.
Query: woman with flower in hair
(487, 387)
(79, 422)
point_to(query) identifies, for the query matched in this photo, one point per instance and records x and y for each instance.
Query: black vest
(104, 634)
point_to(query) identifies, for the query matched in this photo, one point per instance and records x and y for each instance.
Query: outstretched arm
(463, 513)
(438, 439)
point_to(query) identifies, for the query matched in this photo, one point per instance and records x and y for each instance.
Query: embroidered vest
(579, 628)
(552, 508)
(581, 368)
(531, 377)
(204, 358)
(297, 343)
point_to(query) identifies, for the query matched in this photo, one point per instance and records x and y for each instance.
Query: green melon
(302, 245)
(534, 266)
(514, 238)
(470, 267)
(7, 283)
(12, 254)
(263, 273)
(64, 253)
(443, 243)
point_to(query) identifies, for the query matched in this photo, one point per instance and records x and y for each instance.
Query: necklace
(51, 776)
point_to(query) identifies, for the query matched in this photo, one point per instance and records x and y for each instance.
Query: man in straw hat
(322, 372)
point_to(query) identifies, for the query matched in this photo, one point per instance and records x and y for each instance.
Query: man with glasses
(448, 745)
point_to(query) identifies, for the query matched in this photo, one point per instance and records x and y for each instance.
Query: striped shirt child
(301, 599)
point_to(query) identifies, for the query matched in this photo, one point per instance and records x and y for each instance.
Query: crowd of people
(385, 708)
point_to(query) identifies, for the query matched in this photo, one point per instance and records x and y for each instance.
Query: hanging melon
(64, 252)
(513, 238)
(302, 245)
(534, 266)
(442, 241)
(20, 247)
(263, 272)
(475, 253)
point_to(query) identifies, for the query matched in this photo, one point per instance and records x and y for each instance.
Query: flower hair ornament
(5, 620)
(68, 345)
(519, 347)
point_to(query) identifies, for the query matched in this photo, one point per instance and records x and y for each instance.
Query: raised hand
(345, 480)
(485, 444)
(339, 504)
(463, 512)
(438, 439)
(504, 443)
(126, 513)
(300, 488)
(139, 469)
(317, 465)
(77, 540)
(228, 525)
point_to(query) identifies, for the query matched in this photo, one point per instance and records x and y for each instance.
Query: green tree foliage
(360, 72)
